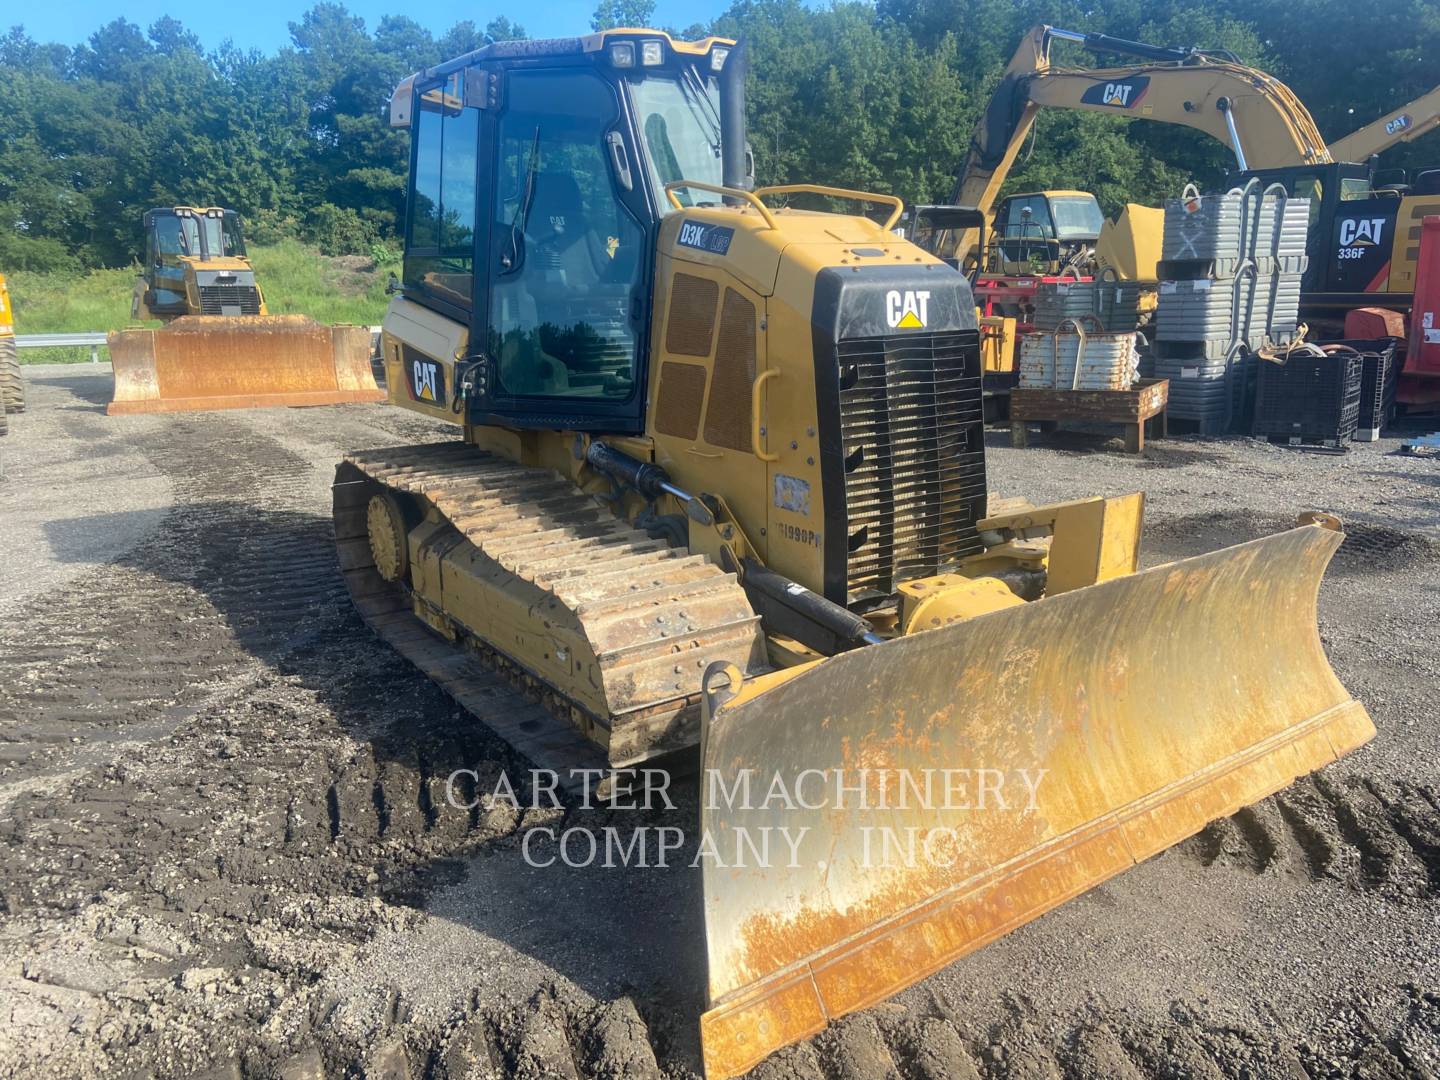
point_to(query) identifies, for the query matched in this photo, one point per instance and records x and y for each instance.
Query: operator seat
(560, 239)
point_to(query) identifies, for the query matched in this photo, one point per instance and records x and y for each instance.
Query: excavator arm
(1408, 122)
(1257, 116)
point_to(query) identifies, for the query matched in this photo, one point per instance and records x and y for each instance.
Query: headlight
(651, 53)
(622, 54)
(717, 58)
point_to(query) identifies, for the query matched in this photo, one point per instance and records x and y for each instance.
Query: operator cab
(1041, 232)
(175, 235)
(538, 178)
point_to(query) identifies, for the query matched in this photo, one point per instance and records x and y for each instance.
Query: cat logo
(1117, 95)
(1361, 232)
(1399, 124)
(908, 310)
(426, 382)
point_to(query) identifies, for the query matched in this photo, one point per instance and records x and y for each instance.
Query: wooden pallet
(1132, 409)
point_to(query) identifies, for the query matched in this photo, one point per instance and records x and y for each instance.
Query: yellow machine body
(1131, 244)
(219, 347)
(816, 588)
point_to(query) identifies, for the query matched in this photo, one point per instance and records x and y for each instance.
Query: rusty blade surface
(1153, 703)
(219, 362)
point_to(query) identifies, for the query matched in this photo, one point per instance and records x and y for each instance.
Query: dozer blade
(240, 362)
(1154, 703)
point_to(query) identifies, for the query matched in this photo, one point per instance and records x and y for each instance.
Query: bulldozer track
(655, 615)
(12, 384)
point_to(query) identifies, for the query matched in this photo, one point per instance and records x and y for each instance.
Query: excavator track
(513, 567)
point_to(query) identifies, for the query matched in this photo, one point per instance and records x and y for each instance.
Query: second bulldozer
(720, 490)
(220, 349)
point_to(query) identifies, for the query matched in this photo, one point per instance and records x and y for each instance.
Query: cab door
(569, 261)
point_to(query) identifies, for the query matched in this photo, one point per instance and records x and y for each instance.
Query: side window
(567, 253)
(167, 236)
(440, 257)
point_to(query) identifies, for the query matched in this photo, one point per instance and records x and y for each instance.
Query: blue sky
(262, 24)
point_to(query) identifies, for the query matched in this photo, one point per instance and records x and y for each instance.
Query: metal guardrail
(93, 340)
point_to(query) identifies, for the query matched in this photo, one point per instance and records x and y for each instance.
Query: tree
(612, 13)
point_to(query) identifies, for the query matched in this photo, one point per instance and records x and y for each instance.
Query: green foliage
(880, 95)
(612, 13)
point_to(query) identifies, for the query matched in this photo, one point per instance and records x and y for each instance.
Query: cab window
(680, 125)
(440, 256)
(567, 253)
(1029, 217)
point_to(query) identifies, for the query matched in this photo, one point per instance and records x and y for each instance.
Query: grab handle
(757, 399)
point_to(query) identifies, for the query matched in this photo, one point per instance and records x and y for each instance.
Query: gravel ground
(227, 850)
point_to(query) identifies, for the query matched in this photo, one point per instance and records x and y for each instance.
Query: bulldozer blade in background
(243, 362)
(1155, 703)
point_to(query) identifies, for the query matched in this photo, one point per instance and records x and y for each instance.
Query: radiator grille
(692, 315)
(677, 406)
(912, 434)
(727, 416)
(214, 299)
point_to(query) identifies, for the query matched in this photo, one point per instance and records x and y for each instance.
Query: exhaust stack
(733, 146)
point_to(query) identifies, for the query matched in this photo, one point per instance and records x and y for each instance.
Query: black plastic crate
(1311, 398)
(1377, 383)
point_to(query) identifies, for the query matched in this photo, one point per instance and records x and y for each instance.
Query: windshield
(680, 124)
(198, 237)
(1077, 217)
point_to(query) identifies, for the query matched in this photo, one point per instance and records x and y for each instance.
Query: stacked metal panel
(1230, 282)
(1115, 304)
(1067, 360)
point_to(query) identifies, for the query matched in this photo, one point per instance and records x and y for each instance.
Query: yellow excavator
(719, 489)
(12, 386)
(219, 347)
(1363, 238)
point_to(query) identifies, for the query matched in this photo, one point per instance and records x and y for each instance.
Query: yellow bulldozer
(219, 348)
(12, 386)
(720, 490)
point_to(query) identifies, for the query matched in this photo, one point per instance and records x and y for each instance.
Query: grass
(296, 280)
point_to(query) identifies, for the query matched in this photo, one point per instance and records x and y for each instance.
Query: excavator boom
(1256, 115)
(1408, 122)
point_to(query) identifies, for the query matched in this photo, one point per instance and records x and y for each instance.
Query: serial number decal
(808, 537)
(793, 494)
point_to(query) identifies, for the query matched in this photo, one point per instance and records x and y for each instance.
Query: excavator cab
(1044, 232)
(719, 494)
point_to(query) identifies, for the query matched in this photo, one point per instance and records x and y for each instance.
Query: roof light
(717, 58)
(622, 54)
(651, 53)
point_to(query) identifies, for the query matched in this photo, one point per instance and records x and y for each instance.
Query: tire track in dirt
(219, 581)
(1371, 835)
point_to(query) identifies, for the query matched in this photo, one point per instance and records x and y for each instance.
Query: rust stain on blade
(217, 362)
(1143, 708)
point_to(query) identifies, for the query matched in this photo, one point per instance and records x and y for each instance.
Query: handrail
(734, 193)
(840, 193)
